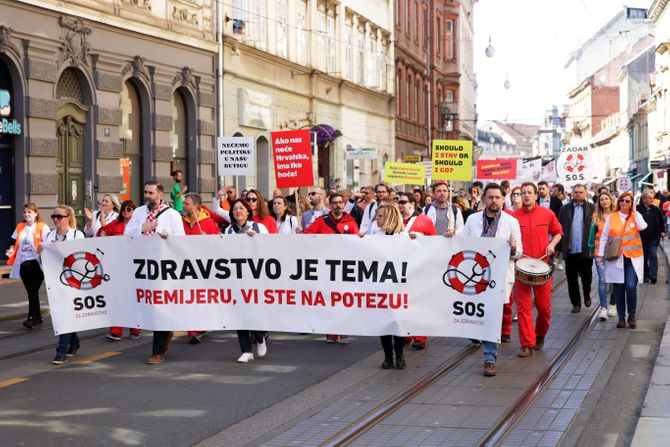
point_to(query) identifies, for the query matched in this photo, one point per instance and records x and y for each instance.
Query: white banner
(549, 172)
(235, 155)
(529, 170)
(325, 284)
(574, 165)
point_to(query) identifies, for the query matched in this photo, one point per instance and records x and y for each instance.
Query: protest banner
(574, 165)
(529, 170)
(549, 171)
(235, 155)
(623, 184)
(325, 284)
(496, 169)
(292, 154)
(452, 160)
(405, 173)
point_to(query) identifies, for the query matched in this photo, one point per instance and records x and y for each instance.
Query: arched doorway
(263, 166)
(131, 134)
(71, 119)
(7, 110)
(179, 137)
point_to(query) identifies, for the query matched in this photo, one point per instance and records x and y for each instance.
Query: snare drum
(532, 272)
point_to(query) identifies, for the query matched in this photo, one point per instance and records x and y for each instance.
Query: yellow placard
(405, 173)
(452, 160)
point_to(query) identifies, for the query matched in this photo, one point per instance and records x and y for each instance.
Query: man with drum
(492, 222)
(536, 223)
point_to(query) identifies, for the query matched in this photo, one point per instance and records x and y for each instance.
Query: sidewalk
(654, 423)
(14, 300)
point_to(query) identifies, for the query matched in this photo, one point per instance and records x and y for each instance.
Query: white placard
(236, 155)
(623, 184)
(574, 165)
(529, 170)
(325, 284)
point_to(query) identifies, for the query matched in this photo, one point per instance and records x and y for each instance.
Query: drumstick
(539, 259)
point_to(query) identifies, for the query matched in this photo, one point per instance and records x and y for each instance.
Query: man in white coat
(156, 218)
(493, 222)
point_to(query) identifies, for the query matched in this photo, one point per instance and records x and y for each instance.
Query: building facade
(107, 94)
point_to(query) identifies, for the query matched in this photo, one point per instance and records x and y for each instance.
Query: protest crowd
(545, 225)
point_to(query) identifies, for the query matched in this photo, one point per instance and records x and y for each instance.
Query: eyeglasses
(313, 193)
(252, 199)
(129, 208)
(625, 201)
(403, 202)
(230, 192)
(59, 216)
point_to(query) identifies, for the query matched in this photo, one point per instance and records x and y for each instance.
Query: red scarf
(152, 216)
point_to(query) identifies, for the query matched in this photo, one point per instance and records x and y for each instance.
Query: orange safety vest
(37, 239)
(631, 243)
(599, 231)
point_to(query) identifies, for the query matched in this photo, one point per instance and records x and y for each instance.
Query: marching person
(651, 237)
(389, 222)
(575, 218)
(259, 207)
(335, 222)
(284, 217)
(197, 221)
(546, 200)
(463, 205)
(368, 224)
(66, 230)
(515, 199)
(242, 222)
(177, 194)
(493, 222)
(226, 196)
(156, 218)
(604, 207)
(536, 224)
(116, 228)
(622, 228)
(25, 259)
(414, 222)
(447, 218)
(317, 197)
(109, 210)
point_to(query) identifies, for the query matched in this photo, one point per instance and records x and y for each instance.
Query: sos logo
(89, 302)
(468, 308)
(469, 273)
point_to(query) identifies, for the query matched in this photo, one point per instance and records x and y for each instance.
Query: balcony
(408, 129)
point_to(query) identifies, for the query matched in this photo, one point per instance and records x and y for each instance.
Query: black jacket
(565, 219)
(555, 204)
(655, 222)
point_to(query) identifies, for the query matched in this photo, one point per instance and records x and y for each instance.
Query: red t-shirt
(422, 225)
(346, 225)
(536, 226)
(269, 223)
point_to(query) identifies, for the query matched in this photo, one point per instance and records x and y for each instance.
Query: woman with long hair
(116, 228)
(25, 259)
(108, 212)
(464, 206)
(622, 229)
(389, 221)
(284, 216)
(66, 230)
(242, 222)
(259, 208)
(604, 207)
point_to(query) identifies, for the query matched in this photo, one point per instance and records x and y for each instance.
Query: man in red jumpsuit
(536, 224)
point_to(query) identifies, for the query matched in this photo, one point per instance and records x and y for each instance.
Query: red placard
(292, 154)
(496, 169)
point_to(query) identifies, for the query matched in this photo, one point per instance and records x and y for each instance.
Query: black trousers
(577, 266)
(161, 341)
(32, 277)
(244, 337)
(392, 343)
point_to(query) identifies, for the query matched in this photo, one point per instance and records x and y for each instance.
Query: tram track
(504, 424)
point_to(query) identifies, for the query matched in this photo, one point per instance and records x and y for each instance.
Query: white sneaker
(246, 358)
(261, 349)
(602, 316)
(611, 310)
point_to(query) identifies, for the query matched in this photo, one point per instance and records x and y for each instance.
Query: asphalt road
(112, 398)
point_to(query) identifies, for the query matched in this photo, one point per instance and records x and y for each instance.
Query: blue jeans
(65, 341)
(602, 286)
(650, 247)
(626, 294)
(490, 351)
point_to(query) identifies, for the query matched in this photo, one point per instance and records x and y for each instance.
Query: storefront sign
(235, 155)
(574, 165)
(361, 153)
(405, 173)
(255, 108)
(496, 169)
(452, 160)
(319, 284)
(292, 154)
(7, 125)
(410, 158)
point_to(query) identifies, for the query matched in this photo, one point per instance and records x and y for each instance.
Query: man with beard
(546, 199)
(335, 222)
(492, 222)
(369, 224)
(316, 200)
(177, 194)
(156, 218)
(447, 218)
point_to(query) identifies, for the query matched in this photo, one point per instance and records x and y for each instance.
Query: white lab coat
(170, 221)
(614, 272)
(368, 224)
(507, 226)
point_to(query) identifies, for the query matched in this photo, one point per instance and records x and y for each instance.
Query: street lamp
(490, 51)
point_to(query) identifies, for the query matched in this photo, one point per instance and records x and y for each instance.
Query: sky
(532, 41)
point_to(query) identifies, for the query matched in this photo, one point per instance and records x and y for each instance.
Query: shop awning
(609, 181)
(642, 180)
(325, 134)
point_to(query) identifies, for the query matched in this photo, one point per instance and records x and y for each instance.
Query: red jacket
(269, 223)
(114, 228)
(204, 225)
(536, 226)
(346, 225)
(215, 217)
(422, 225)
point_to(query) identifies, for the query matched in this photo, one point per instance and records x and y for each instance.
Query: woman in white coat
(109, 210)
(625, 271)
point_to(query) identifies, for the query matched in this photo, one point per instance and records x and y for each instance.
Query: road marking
(93, 358)
(9, 382)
